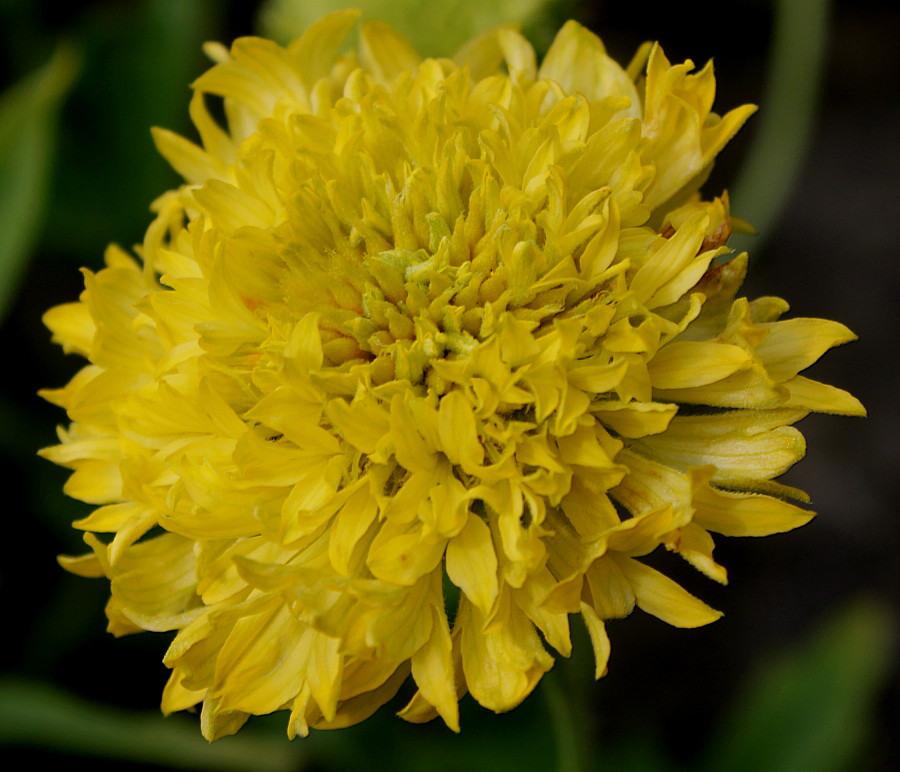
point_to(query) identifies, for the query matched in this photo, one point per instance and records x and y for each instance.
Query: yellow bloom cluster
(409, 369)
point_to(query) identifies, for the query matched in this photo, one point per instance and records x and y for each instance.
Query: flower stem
(567, 715)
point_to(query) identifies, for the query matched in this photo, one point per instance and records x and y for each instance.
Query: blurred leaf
(139, 63)
(638, 753)
(435, 29)
(788, 109)
(33, 714)
(810, 710)
(566, 714)
(28, 127)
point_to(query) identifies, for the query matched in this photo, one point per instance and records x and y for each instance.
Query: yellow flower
(423, 358)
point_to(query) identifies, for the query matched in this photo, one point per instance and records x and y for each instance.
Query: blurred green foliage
(438, 28)
(793, 88)
(811, 708)
(139, 62)
(42, 715)
(808, 709)
(29, 113)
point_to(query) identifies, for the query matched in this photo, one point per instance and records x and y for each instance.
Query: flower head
(422, 359)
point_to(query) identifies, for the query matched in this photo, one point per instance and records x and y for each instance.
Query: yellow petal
(685, 364)
(503, 665)
(191, 162)
(641, 534)
(359, 708)
(362, 423)
(433, 671)
(482, 54)
(95, 482)
(384, 52)
(660, 596)
(82, 565)
(231, 208)
(675, 256)
(746, 514)
(215, 723)
(695, 545)
(518, 53)
(410, 448)
(458, 431)
(583, 448)
(754, 445)
(472, 563)
(577, 61)
(794, 344)
(315, 49)
(255, 76)
(348, 529)
(598, 378)
(155, 582)
(324, 674)
(267, 654)
(403, 556)
(404, 623)
(611, 595)
(635, 419)
(650, 485)
(599, 639)
(72, 327)
(216, 141)
(812, 395)
(176, 696)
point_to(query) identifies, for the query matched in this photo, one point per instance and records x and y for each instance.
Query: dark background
(834, 252)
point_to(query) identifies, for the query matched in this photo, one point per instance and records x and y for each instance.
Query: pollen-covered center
(411, 228)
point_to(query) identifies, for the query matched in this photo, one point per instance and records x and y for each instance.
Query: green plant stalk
(40, 715)
(28, 131)
(567, 717)
(788, 110)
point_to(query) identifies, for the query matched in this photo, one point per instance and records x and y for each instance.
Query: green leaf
(435, 29)
(33, 714)
(138, 66)
(810, 709)
(38, 715)
(788, 110)
(28, 127)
